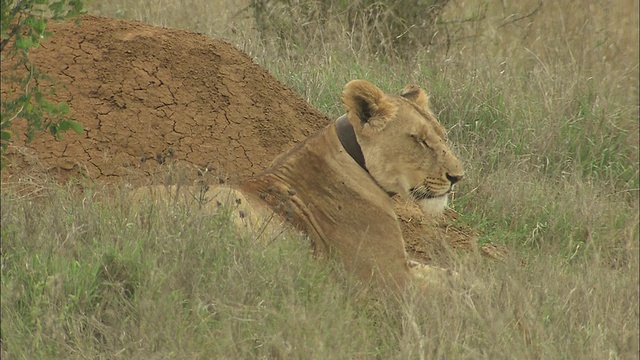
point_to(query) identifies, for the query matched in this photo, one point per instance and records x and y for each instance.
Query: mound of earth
(146, 94)
(150, 98)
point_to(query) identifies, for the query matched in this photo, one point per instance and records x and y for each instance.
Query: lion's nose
(453, 178)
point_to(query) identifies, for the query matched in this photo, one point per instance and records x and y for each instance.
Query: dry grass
(90, 275)
(542, 103)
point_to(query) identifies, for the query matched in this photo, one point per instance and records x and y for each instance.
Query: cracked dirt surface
(145, 94)
(150, 98)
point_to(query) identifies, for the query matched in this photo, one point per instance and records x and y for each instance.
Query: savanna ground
(542, 106)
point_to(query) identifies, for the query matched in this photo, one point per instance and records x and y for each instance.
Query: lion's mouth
(422, 193)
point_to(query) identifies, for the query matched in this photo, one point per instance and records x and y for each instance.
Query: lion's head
(403, 144)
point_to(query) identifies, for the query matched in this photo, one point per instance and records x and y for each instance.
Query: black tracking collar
(348, 140)
(347, 137)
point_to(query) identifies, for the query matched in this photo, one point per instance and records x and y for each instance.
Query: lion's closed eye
(420, 140)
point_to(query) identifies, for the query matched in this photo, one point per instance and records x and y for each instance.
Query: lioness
(336, 185)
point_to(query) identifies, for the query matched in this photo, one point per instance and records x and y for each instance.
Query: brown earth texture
(156, 101)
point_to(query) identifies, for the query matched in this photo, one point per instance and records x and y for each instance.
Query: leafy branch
(23, 26)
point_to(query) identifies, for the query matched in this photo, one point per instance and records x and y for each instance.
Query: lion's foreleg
(432, 275)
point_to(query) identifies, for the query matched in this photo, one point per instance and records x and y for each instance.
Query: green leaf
(56, 7)
(54, 129)
(76, 126)
(5, 135)
(39, 25)
(63, 107)
(47, 106)
(23, 43)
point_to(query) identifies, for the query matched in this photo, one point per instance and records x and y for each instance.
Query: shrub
(386, 27)
(23, 27)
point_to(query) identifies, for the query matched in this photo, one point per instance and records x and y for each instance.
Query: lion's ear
(366, 105)
(417, 95)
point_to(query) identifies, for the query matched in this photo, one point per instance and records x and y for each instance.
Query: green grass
(89, 275)
(87, 278)
(543, 112)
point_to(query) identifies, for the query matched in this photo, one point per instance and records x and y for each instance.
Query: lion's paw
(432, 275)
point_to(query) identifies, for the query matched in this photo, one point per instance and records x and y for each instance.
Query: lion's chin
(435, 205)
